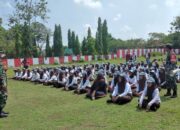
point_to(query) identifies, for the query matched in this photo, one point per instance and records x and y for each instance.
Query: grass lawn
(38, 107)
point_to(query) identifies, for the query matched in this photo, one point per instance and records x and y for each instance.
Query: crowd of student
(122, 81)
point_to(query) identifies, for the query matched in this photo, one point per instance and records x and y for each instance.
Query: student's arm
(80, 85)
(155, 98)
(115, 91)
(87, 83)
(112, 83)
(126, 91)
(142, 96)
(73, 82)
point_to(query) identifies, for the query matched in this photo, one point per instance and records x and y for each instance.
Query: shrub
(56, 62)
(154, 54)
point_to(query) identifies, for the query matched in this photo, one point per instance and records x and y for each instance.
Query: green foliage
(48, 48)
(84, 47)
(67, 51)
(105, 38)
(73, 40)
(69, 39)
(81, 60)
(77, 49)
(26, 41)
(56, 62)
(57, 39)
(98, 43)
(155, 54)
(90, 46)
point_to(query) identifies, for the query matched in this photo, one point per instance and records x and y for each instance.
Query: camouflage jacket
(3, 79)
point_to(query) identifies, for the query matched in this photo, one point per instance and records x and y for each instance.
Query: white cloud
(6, 5)
(96, 4)
(126, 28)
(172, 3)
(126, 32)
(117, 17)
(111, 5)
(153, 7)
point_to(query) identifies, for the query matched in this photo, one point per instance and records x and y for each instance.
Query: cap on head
(122, 75)
(142, 74)
(150, 80)
(169, 46)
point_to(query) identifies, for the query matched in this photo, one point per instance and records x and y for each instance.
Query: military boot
(174, 94)
(168, 93)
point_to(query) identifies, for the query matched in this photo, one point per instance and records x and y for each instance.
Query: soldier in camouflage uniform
(170, 77)
(3, 90)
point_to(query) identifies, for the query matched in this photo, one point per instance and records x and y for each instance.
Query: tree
(1, 21)
(98, 44)
(28, 12)
(77, 49)
(175, 32)
(26, 40)
(39, 32)
(69, 39)
(89, 33)
(175, 25)
(48, 48)
(60, 44)
(73, 40)
(90, 45)
(105, 38)
(17, 42)
(84, 47)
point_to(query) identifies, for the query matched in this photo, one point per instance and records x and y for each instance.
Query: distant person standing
(170, 78)
(134, 56)
(148, 57)
(128, 56)
(25, 63)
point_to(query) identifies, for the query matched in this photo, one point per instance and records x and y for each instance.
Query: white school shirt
(155, 97)
(16, 74)
(33, 77)
(30, 75)
(112, 83)
(20, 75)
(37, 76)
(63, 81)
(74, 81)
(127, 90)
(133, 81)
(53, 78)
(86, 84)
(45, 78)
(25, 75)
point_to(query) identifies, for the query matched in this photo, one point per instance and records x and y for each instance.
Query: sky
(126, 18)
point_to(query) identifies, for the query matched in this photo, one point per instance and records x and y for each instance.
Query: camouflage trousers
(3, 99)
(171, 82)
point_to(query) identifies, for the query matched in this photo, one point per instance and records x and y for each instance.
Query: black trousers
(124, 99)
(153, 107)
(58, 85)
(73, 87)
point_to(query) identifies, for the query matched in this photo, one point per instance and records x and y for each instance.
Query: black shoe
(5, 112)
(174, 96)
(2, 115)
(167, 94)
(109, 101)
